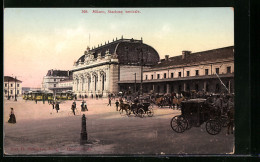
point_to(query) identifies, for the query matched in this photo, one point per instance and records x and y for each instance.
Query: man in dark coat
(57, 106)
(82, 106)
(117, 104)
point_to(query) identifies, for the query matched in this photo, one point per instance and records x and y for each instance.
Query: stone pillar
(205, 86)
(168, 88)
(91, 84)
(99, 82)
(229, 84)
(184, 87)
(86, 84)
(108, 81)
(83, 134)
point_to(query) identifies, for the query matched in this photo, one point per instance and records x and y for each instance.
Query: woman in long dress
(12, 118)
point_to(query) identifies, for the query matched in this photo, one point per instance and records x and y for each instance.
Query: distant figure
(57, 106)
(52, 104)
(73, 107)
(109, 101)
(230, 114)
(12, 118)
(35, 101)
(82, 106)
(85, 106)
(117, 103)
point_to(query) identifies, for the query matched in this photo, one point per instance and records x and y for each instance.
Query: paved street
(41, 130)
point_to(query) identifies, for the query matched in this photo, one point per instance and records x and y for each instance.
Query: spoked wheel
(150, 112)
(213, 127)
(141, 112)
(179, 124)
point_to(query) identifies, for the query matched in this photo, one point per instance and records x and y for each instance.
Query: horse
(177, 101)
(123, 107)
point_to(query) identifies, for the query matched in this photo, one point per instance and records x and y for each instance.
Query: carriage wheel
(213, 127)
(150, 112)
(179, 124)
(141, 112)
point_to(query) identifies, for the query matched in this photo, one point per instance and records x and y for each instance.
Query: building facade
(100, 70)
(52, 79)
(63, 86)
(12, 86)
(208, 71)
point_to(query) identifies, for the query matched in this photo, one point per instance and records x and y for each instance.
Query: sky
(39, 39)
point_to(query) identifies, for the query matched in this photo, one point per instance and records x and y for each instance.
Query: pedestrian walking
(230, 114)
(73, 107)
(35, 101)
(117, 103)
(57, 106)
(109, 101)
(52, 104)
(12, 118)
(82, 106)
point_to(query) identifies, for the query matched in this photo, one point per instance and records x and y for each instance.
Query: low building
(12, 87)
(53, 77)
(209, 71)
(63, 86)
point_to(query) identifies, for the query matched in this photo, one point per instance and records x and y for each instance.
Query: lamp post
(135, 83)
(141, 85)
(15, 89)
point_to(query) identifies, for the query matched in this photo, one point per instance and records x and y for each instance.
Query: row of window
(11, 92)
(11, 85)
(197, 88)
(188, 73)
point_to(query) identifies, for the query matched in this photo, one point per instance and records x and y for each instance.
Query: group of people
(83, 106)
(55, 105)
(223, 105)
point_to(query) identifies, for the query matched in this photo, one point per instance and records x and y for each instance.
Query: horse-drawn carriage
(194, 113)
(138, 109)
(166, 100)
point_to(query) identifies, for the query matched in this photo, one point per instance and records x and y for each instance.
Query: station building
(105, 69)
(117, 66)
(208, 71)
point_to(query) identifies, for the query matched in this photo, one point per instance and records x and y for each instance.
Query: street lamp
(8, 97)
(15, 89)
(135, 82)
(141, 85)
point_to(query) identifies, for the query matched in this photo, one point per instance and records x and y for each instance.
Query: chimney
(166, 57)
(185, 54)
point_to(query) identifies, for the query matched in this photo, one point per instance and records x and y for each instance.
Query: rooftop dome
(129, 51)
